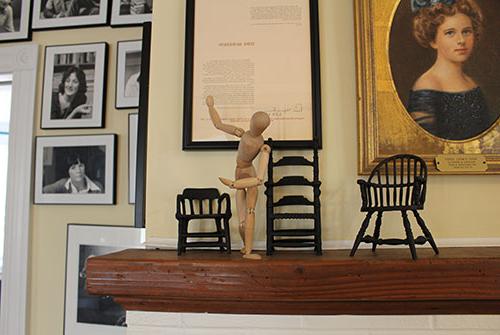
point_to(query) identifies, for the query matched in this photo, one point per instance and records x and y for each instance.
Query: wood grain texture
(458, 281)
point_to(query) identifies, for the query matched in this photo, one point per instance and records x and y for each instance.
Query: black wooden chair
(397, 183)
(204, 204)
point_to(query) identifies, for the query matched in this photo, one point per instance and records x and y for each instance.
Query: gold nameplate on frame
(461, 163)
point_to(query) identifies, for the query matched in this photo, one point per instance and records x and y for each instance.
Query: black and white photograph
(133, 121)
(75, 169)
(74, 85)
(128, 74)
(56, 14)
(14, 20)
(131, 12)
(84, 313)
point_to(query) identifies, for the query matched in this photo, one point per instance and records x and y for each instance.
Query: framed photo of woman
(428, 81)
(128, 74)
(57, 14)
(75, 169)
(15, 18)
(131, 12)
(74, 86)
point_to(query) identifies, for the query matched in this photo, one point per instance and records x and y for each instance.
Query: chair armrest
(179, 213)
(224, 197)
(364, 188)
(419, 191)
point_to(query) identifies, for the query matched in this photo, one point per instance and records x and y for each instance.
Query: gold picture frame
(385, 127)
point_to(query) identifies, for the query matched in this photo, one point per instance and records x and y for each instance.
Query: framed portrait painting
(75, 169)
(74, 86)
(15, 16)
(238, 51)
(428, 81)
(131, 12)
(58, 14)
(128, 74)
(83, 313)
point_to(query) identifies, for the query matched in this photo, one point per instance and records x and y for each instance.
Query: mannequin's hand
(210, 101)
(228, 182)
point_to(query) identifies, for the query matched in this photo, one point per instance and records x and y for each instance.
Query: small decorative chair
(397, 183)
(203, 204)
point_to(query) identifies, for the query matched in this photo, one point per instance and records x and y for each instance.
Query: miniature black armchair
(204, 204)
(397, 183)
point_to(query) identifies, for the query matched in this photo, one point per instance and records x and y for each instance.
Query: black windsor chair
(397, 183)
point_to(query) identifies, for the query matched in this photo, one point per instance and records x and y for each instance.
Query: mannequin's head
(259, 122)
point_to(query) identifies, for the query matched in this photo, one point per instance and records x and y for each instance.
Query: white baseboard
(171, 243)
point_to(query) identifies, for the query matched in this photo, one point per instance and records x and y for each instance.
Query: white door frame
(21, 61)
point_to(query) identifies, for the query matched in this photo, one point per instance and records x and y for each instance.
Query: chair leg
(426, 231)
(409, 235)
(361, 233)
(220, 241)
(376, 232)
(227, 235)
(181, 239)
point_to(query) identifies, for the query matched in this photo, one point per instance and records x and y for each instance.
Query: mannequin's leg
(250, 223)
(241, 207)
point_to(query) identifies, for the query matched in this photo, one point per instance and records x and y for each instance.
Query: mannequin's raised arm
(251, 181)
(214, 116)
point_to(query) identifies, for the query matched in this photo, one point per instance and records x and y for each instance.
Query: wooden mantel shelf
(458, 281)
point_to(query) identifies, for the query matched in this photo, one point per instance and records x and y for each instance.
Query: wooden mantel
(458, 281)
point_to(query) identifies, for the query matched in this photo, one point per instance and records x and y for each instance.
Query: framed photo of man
(74, 86)
(86, 314)
(128, 74)
(131, 12)
(75, 169)
(428, 81)
(15, 16)
(56, 14)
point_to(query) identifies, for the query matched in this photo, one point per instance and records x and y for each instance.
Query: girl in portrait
(444, 100)
(70, 100)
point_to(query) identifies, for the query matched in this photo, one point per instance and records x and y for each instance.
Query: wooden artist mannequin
(246, 178)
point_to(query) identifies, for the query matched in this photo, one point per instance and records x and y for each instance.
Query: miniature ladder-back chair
(397, 183)
(293, 236)
(203, 204)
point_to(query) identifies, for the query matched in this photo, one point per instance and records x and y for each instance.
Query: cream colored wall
(48, 224)
(457, 207)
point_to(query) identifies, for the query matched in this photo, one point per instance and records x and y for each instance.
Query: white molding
(21, 61)
(171, 243)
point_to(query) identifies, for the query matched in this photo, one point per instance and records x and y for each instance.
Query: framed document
(407, 103)
(252, 55)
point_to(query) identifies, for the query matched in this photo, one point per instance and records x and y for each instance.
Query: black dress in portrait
(451, 116)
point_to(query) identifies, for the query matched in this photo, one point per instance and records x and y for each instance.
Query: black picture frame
(21, 10)
(57, 60)
(83, 313)
(124, 49)
(118, 20)
(55, 155)
(73, 22)
(142, 131)
(189, 144)
(132, 155)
